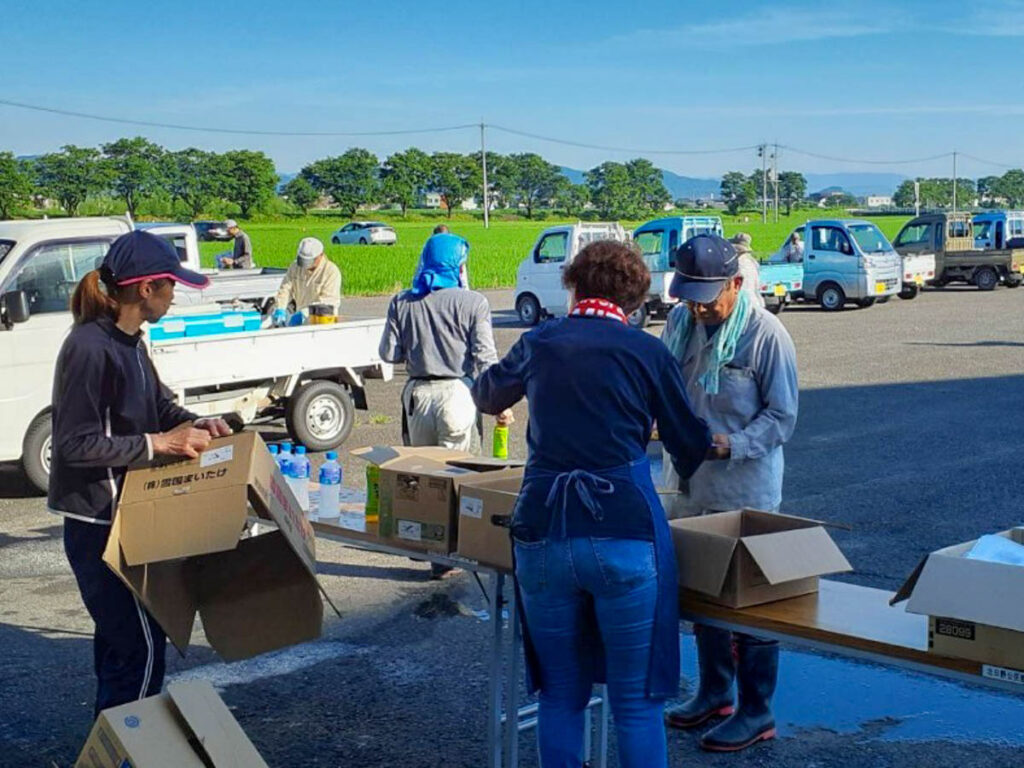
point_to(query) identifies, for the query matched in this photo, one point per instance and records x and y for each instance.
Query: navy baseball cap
(704, 264)
(137, 256)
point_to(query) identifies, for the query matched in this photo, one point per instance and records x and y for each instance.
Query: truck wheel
(335, 241)
(908, 292)
(35, 451)
(320, 415)
(640, 317)
(986, 279)
(528, 309)
(1013, 280)
(362, 241)
(831, 297)
(775, 306)
(865, 302)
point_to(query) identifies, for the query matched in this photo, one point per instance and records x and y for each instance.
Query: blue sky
(853, 80)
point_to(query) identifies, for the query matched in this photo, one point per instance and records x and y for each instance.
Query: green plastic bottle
(500, 442)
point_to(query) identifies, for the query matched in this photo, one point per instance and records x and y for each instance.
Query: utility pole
(483, 163)
(775, 178)
(762, 152)
(954, 182)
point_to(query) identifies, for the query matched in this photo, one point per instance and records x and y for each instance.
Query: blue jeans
(571, 588)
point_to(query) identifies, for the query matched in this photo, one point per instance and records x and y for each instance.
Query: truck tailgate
(241, 357)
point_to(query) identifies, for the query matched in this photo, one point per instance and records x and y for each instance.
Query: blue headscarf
(443, 256)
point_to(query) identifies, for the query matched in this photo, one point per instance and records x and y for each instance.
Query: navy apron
(589, 487)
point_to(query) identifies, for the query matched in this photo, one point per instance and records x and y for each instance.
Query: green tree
(903, 197)
(249, 178)
(1011, 187)
(71, 175)
(403, 176)
(15, 186)
(455, 178)
(792, 189)
(609, 189)
(987, 187)
(572, 198)
(301, 194)
(195, 178)
(135, 169)
(350, 179)
(647, 187)
(528, 180)
(737, 191)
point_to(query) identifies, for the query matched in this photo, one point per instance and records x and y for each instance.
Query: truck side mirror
(14, 307)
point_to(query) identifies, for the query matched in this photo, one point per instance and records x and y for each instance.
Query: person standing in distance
(241, 253)
(110, 411)
(739, 366)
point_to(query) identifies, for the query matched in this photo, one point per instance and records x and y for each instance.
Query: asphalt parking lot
(909, 434)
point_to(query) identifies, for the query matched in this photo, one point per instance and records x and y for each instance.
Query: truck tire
(35, 451)
(335, 241)
(320, 415)
(909, 291)
(528, 309)
(640, 317)
(866, 302)
(831, 297)
(362, 241)
(775, 305)
(986, 279)
(1013, 280)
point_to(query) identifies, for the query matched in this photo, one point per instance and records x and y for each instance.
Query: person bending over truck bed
(311, 279)
(739, 365)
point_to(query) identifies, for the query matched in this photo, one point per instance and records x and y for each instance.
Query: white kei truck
(312, 375)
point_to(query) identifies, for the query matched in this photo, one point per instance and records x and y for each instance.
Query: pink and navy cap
(138, 256)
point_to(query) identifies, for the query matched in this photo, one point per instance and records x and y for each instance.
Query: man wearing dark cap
(739, 365)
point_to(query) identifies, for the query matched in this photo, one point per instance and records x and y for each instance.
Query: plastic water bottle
(273, 450)
(330, 488)
(298, 477)
(284, 458)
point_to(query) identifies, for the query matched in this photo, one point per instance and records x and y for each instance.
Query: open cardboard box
(974, 606)
(485, 511)
(188, 726)
(419, 492)
(175, 542)
(746, 557)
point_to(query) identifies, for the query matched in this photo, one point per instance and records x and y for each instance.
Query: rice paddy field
(495, 252)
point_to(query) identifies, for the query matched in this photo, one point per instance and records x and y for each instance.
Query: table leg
(495, 588)
(512, 685)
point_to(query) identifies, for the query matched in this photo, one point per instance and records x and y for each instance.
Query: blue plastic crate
(191, 326)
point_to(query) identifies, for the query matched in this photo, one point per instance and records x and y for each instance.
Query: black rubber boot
(756, 675)
(714, 692)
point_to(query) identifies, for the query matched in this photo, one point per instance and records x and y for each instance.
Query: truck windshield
(869, 238)
(5, 248)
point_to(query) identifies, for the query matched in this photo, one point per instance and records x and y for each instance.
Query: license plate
(918, 279)
(879, 287)
(780, 289)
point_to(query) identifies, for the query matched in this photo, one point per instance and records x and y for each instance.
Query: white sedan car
(365, 233)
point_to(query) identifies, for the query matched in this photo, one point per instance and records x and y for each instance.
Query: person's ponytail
(91, 301)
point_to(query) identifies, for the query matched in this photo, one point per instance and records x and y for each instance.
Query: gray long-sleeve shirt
(241, 253)
(756, 406)
(445, 334)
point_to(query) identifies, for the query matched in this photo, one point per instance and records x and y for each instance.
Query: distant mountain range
(690, 188)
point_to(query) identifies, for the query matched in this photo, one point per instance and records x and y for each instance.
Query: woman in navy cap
(110, 412)
(594, 563)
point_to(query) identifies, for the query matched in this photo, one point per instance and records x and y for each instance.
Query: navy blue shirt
(595, 388)
(106, 399)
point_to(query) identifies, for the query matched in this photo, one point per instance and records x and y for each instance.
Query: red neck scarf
(598, 308)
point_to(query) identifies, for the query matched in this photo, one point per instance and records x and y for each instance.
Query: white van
(539, 290)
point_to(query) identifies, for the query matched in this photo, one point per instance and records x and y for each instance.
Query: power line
(986, 162)
(865, 162)
(634, 150)
(210, 129)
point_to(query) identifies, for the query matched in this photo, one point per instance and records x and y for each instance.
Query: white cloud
(771, 26)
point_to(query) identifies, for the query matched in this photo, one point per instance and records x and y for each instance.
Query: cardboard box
(485, 509)
(974, 606)
(175, 542)
(744, 558)
(189, 726)
(419, 493)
